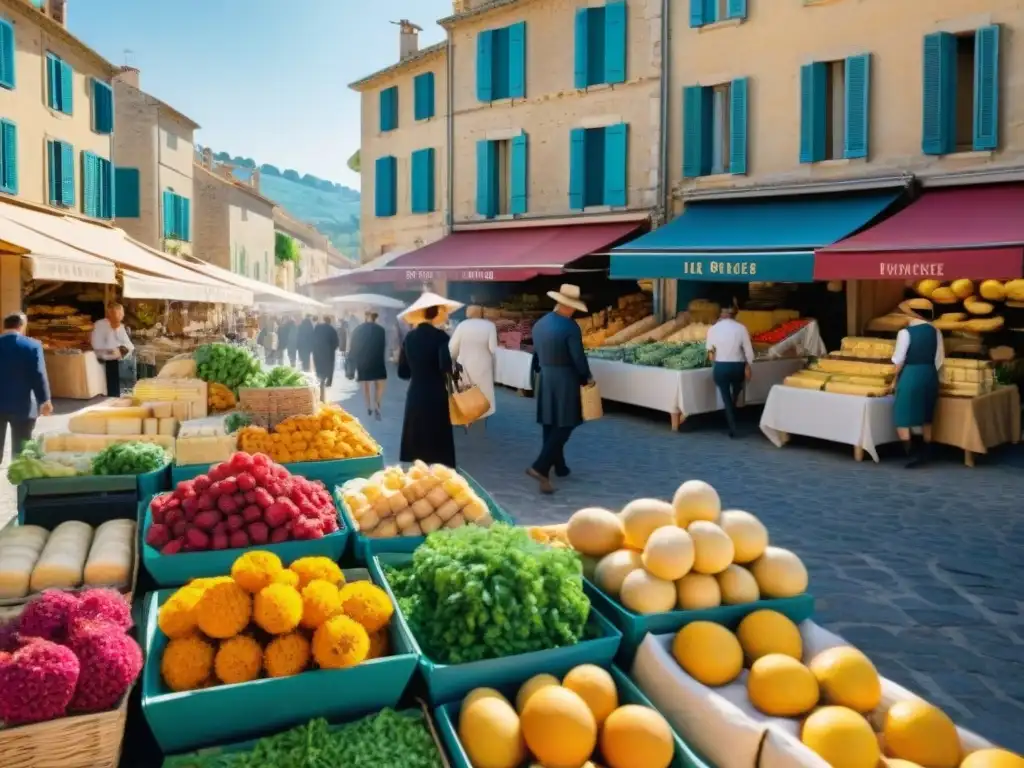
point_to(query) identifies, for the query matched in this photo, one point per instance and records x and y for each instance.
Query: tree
(285, 249)
(292, 175)
(222, 157)
(269, 170)
(354, 162)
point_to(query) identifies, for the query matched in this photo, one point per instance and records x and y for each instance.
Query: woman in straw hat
(473, 346)
(426, 362)
(559, 359)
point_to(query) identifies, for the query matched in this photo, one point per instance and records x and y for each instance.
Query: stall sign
(771, 267)
(972, 264)
(464, 275)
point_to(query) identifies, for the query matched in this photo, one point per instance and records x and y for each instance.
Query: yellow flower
(186, 663)
(239, 660)
(317, 567)
(278, 609)
(320, 601)
(177, 617)
(380, 644)
(286, 655)
(367, 604)
(340, 643)
(287, 576)
(224, 610)
(256, 569)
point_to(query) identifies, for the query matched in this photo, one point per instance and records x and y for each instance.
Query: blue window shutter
(102, 107)
(517, 61)
(486, 179)
(52, 81)
(738, 118)
(168, 208)
(9, 151)
(423, 181)
(429, 95)
(520, 174)
(736, 9)
(384, 186)
(696, 134)
(7, 51)
(106, 189)
(384, 106)
(986, 88)
(938, 129)
(389, 109)
(858, 106)
(616, 165)
(423, 86)
(813, 84)
(615, 42)
(67, 88)
(53, 163)
(577, 168)
(67, 174)
(711, 12)
(485, 65)
(580, 79)
(697, 13)
(429, 176)
(185, 220)
(90, 186)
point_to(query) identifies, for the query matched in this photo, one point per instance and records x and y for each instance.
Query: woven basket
(269, 406)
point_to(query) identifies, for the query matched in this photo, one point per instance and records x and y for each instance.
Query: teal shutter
(168, 207)
(520, 174)
(126, 193)
(486, 179)
(517, 61)
(697, 115)
(9, 157)
(67, 89)
(422, 181)
(485, 65)
(858, 106)
(90, 185)
(736, 9)
(109, 184)
(616, 165)
(184, 219)
(582, 57)
(389, 109)
(67, 174)
(384, 182)
(986, 88)
(102, 107)
(53, 163)
(52, 81)
(938, 129)
(423, 87)
(615, 42)
(7, 51)
(813, 104)
(577, 168)
(738, 126)
(697, 14)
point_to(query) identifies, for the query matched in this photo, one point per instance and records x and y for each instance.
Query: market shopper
(918, 357)
(111, 344)
(473, 346)
(304, 341)
(325, 350)
(286, 342)
(366, 364)
(267, 339)
(728, 343)
(561, 367)
(24, 387)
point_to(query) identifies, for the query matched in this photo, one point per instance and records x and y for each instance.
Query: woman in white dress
(473, 345)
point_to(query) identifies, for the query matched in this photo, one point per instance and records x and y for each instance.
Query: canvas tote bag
(590, 402)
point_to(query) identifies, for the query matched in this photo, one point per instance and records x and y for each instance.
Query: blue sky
(265, 79)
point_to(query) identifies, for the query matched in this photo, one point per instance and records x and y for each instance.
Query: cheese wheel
(63, 558)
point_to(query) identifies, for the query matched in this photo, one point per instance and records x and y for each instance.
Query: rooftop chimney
(58, 11)
(207, 158)
(254, 179)
(130, 76)
(409, 37)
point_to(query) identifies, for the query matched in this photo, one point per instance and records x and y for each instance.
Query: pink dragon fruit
(47, 616)
(110, 663)
(37, 682)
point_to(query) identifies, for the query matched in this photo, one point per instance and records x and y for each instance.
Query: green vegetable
(387, 739)
(131, 458)
(26, 467)
(230, 365)
(283, 376)
(484, 593)
(235, 420)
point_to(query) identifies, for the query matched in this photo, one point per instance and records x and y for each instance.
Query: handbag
(590, 402)
(466, 401)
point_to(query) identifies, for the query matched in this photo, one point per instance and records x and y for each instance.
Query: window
(61, 162)
(60, 84)
(961, 92)
(102, 107)
(715, 129)
(501, 177)
(423, 91)
(704, 12)
(7, 51)
(177, 216)
(97, 186)
(256, 270)
(601, 44)
(835, 109)
(126, 193)
(389, 109)
(8, 157)
(422, 182)
(598, 163)
(385, 181)
(501, 63)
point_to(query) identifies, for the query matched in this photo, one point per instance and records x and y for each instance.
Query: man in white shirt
(729, 345)
(111, 344)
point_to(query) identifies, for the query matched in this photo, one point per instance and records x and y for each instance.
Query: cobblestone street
(921, 569)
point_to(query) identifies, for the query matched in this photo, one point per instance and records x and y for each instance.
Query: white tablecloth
(698, 393)
(512, 368)
(848, 419)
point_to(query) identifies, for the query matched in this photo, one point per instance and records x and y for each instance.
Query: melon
(992, 290)
(481, 693)
(708, 652)
(645, 593)
(642, 517)
(696, 500)
(596, 687)
(748, 534)
(531, 686)
(697, 591)
(779, 573)
(595, 531)
(927, 287)
(738, 586)
(668, 553)
(841, 737)
(712, 548)
(992, 758)
(847, 678)
(962, 288)
(491, 734)
(637, 737)
(765, 632)
(559, 728)
(915, 730)
(614, 568)
(780, 686)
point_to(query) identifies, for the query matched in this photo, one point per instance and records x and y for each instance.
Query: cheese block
(205, 450)
(111, 556)
(168, 427)
(803, 382)
(854, 368)
(756, 321)
(161, 410)
(124, 427)
(20, 547)
(62, 560)
(869, 381)
(180, 411)
(842, 388)
(96, 443)
(84, 424)
(150, 426)
(806, 373)
(133, 412)
(965, 362)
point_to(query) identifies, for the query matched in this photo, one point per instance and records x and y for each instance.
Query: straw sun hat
(413, 314)
(569, 295)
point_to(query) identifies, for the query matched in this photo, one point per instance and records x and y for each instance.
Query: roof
(237, 184)
(162, 104)
(480, 10)
(394, 69)
(58, 30)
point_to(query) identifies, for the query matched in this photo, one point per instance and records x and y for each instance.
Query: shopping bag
(466, 401)
(590, 402)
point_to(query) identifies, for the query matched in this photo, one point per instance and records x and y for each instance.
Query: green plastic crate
(175, 570)
(446, 683)
(330, 472)
(366, 547)
(181, 722)
(447, 718)
(634, 626)
(145, 485)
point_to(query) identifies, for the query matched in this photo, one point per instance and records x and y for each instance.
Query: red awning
(507, 255)
(965, 232)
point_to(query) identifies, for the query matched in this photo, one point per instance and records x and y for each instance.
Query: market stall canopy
(966, 232)
(263, 294)
(51, 259)
(762, 240)
(370, 300)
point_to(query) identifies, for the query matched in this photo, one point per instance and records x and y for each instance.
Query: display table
(75, 375)
(512, 368)
(979, 423)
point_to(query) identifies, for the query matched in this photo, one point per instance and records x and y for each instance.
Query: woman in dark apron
(919, 356)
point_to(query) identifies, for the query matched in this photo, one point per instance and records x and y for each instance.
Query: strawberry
(278, 535)
(240, 462)
(201, 483)
(263, 498)
(252, 514)
(238, 540)
(206, 501)
(246, 482)
(172, 547)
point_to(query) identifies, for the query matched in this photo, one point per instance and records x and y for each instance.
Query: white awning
(265, 295)
(53, 260)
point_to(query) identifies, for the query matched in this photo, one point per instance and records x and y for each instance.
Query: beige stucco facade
(313, 247)
(26, 104)
(779, 36)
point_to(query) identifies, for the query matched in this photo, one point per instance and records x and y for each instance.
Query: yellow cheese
(205, 450)
(868, 381)
(112, 554)
(816, 375)
(161, 410)
(150, 426)
(124, 426)
(756, 321)
(180, 411)
(854, 368)
(84, 424)
(96, 443)
(803, 382)
(62, 560)
(780, 316)
(842, 388)
(134, 412)
(168, 427)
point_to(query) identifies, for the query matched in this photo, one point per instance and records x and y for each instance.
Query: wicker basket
(269, 406)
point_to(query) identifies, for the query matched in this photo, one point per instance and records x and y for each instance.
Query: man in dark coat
(24, 388)
(286, 342)
(325, 347)
(304, 341)
(562, 368)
